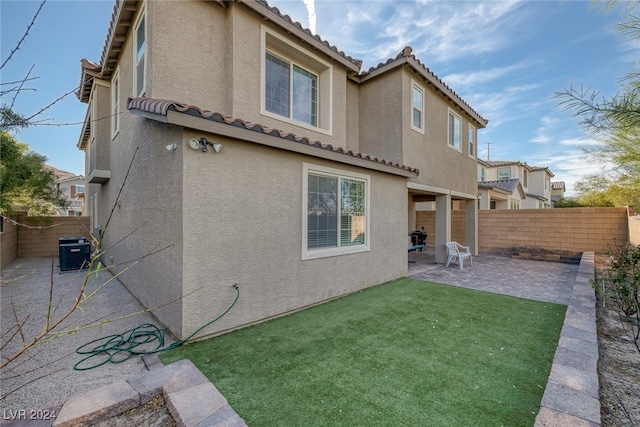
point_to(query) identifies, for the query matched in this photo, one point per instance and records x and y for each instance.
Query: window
(290, 90)
(296, 86)
(514, 204)
(454, 131)
(472, 141)
(335, 212)
(140, 52)
(483, 174)
(417, 108)
(115, 104)
(504, 174)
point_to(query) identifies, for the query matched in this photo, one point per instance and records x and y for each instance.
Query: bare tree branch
(26, 33)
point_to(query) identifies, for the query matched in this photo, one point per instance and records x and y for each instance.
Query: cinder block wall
(39, 237)
(574, 229)
(8, 242)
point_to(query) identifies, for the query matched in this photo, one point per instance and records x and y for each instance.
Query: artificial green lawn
(406, 353)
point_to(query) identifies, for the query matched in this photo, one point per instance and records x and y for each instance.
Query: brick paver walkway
(542, 281)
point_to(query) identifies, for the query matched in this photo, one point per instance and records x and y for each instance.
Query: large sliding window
(290, 90)
(335, 212)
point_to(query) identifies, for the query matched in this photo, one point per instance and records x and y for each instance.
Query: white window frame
(472, 142)
(483, 174)
(504, 179)
(92, 117)
(451, 138)
(419, 108)
(311, 169)
(137, 56)
(294, 54)
(514, 204)
(115, 104)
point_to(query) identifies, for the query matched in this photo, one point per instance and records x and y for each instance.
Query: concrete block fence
(573, 230)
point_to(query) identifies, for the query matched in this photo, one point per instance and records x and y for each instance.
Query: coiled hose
(117, 348)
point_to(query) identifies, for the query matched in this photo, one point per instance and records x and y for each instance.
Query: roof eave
(262, 9)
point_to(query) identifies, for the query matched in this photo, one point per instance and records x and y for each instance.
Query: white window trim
(453, 147)
(498, 174)
(137, 91)
(115, 104)
(92, 117)
(415, 85)
(472, 152)
(290, 52)
(308, 254)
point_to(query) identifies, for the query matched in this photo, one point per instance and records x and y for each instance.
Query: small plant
(622, 283)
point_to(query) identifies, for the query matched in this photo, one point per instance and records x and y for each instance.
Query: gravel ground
(45, 376)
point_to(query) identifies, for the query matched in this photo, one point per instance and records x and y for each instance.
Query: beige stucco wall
(214, 63)
(147, 216)
(243, 224)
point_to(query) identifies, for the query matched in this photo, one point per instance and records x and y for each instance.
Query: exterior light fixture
(204, 143)
(172, 147)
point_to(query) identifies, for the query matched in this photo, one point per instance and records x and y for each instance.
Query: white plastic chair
(459, 252)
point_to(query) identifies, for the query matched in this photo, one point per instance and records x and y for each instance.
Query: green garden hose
(117, 348)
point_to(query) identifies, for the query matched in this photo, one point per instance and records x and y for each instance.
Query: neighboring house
(234, 155)
(72, 186)
(557, 191)
(497, 185)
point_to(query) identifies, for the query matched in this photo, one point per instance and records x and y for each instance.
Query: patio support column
(412, 215)
(443, 226)
(471, 225)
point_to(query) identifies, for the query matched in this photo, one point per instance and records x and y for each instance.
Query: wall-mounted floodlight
(172, 147)
(204, 143)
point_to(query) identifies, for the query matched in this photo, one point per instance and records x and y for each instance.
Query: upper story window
(296, 85)
(290, 90)
(483, 174)
(504, 174)
(115, 104)
(455, 137)
(417, 108)
(335, 212)
(140, 44)
(525, 176)
(472, 141)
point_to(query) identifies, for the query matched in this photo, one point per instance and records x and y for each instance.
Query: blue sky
(505, 58)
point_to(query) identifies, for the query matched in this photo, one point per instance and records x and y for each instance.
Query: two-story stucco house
(513, 185)
(242, 149)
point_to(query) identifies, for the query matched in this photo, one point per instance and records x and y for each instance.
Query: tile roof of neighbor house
(161, 107)
(557, 185)
(496, 163)
(505, 185)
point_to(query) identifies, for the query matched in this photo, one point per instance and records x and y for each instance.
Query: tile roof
(557, 185)
(508, 185)
(495, 163)
(288, 20)
(406, 56)
(163, 106)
